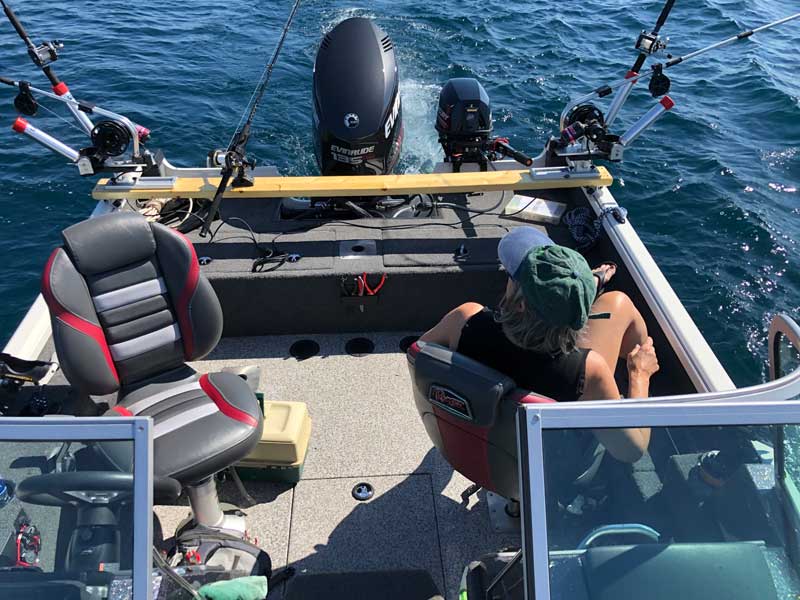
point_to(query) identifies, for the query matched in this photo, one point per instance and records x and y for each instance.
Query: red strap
(122, 411)
(62, 314)
(225, 407)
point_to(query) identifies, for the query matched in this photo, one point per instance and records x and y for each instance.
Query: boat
(316, 289)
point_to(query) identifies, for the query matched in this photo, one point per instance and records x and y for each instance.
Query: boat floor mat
(373, 585)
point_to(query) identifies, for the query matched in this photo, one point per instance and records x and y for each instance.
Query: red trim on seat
(225, 407)
(124, 412)
(465, 447)
(523, 397)
(189, 288)
(82, 325)
(413, 350)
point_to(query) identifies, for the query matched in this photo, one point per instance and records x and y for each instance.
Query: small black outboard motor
(358, 128)
(464, 122)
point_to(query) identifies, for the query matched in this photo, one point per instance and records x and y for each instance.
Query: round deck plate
(363, 491)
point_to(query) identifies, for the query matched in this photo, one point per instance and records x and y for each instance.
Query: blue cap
(516, 244)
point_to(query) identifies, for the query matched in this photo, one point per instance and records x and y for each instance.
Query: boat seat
(128, 307)
(469, 412)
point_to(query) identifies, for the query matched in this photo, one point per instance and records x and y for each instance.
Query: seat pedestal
(208, 512)
(500, 513)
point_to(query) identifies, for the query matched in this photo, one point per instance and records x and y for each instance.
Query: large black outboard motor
(464, 122)
(358, 128)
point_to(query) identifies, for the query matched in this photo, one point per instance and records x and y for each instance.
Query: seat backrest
(469, 412)
(127, 302)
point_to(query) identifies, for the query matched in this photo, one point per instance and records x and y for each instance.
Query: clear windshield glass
(65, 518)
(703, 514)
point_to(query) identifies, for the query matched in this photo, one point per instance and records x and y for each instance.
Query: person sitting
(556, 333)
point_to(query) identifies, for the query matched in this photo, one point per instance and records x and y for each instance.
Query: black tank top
(560, 377)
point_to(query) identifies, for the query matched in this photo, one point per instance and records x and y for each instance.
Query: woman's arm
(447, 332)
(626, 445)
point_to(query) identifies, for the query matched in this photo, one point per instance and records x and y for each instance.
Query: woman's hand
(642, 360)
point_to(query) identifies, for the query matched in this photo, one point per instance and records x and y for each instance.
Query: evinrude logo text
(350, 156)
(392, 117)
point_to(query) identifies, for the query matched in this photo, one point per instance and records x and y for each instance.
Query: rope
(586, 229)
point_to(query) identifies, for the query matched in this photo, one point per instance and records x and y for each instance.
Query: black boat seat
(469, 412)
(734, 571)
(128, 306)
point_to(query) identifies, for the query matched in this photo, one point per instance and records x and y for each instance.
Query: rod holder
(621, 98)
(82, 118)
(650, 117)
(45, 139)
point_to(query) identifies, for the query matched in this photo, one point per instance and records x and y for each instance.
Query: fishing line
(234, 157)
(266, 75)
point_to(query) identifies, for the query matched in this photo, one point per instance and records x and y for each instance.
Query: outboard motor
(464, 122)
(358, 128)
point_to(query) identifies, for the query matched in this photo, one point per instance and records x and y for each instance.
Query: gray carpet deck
(365, 428)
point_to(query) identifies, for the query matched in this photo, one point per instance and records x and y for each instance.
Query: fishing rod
(234, 159)
(647, 45)
(43, 56)
(657, 70)
(650, 43)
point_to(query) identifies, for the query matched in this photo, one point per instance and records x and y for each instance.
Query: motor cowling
(358, 127)
(464, 120)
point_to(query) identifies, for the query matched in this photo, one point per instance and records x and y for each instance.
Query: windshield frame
(77, 429)
(534, 419)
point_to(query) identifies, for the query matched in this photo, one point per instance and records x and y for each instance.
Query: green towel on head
(244, 588)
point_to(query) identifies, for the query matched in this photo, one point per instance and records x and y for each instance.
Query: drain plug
(363, 491)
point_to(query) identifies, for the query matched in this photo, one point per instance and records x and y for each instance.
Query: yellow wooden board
(368, 185)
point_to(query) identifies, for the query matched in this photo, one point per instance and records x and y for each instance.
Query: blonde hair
(524, 328)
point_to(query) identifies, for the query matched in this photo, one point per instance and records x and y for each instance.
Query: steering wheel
(74, 488)
(619, 529)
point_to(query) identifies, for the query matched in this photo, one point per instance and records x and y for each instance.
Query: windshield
(707, 512)
(65, 519)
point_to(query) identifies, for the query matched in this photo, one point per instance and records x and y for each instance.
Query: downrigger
(110, 137)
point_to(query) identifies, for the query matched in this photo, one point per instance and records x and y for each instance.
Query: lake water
(712, 189)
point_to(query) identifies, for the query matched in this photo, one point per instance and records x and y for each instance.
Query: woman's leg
(614, 338)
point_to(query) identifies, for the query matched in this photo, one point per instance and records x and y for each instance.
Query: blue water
(712, 189)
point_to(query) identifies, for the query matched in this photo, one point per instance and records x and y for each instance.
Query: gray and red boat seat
(129, 307)
(470, 414)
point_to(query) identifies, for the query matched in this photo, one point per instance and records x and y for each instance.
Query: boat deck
(365, 424)
(365, 428)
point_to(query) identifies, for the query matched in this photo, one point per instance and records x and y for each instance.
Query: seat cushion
(200, 425)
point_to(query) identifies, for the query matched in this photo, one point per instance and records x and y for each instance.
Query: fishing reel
(235, 161)
(110, 138)
(46, 53)
(584, 121)
(651, 43)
